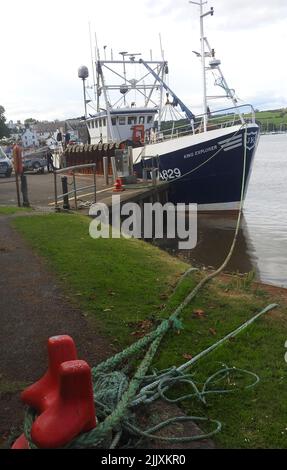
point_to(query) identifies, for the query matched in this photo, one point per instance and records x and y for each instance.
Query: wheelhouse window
(104, 122)
(149, 119)
(122, 121)
(141, 120)
(132, 120)
(93, 124)
(100, 122)
(114, 121)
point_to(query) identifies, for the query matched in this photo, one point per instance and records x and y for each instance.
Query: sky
(43, 44)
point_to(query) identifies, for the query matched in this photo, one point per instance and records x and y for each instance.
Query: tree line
(4, 130)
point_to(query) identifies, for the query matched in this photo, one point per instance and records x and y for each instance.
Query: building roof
(50, 127)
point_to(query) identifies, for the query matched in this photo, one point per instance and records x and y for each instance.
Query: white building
(11, 125)
(30, 139)
(16, 126)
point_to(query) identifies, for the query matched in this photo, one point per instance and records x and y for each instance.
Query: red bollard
(118, 188)
(73, 411)
(21, 443)
(44, 393)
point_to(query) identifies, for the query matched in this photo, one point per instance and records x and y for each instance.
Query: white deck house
(122, 124)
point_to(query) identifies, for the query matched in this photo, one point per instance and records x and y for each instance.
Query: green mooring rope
(116, 400)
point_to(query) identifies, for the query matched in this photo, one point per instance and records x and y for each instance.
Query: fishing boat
(206, 158)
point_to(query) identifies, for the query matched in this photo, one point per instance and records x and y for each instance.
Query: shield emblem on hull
(251, 140)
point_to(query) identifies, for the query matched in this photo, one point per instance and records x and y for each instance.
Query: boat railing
(220, 119)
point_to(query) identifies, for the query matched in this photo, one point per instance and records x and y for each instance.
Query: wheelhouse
(121, 125)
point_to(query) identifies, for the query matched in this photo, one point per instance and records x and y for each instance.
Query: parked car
(6, 166)
(37, 165)
(35, 161)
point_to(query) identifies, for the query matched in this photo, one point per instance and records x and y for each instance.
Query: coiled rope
(117, 397)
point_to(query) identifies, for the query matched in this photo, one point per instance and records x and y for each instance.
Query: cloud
(245, 14)
(268, 100)
(229, 14)
(42, 54)
(177, 12)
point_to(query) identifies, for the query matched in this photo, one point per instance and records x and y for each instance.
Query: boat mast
(101, 86)
(97, 56)
(214, 64)
(203, 56)
(161, 87)
(93, 63)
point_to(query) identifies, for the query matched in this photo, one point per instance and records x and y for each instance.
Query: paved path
(33, 308)
(41, 188)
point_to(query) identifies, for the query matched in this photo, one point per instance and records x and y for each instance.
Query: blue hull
(209, 173)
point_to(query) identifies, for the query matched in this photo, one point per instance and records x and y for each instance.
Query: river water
(262, 243)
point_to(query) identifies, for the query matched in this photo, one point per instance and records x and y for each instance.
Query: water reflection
(215, 236)
(262, 242)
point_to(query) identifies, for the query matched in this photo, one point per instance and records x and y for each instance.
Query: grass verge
(125, 286)
(10, 210)
(6, 386)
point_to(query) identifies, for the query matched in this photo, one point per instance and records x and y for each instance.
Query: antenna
(92, 60)
(161, 48)
(105, 55)
(97, 48)
(97, 54)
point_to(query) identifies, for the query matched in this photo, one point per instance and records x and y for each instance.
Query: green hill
(273, 120)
